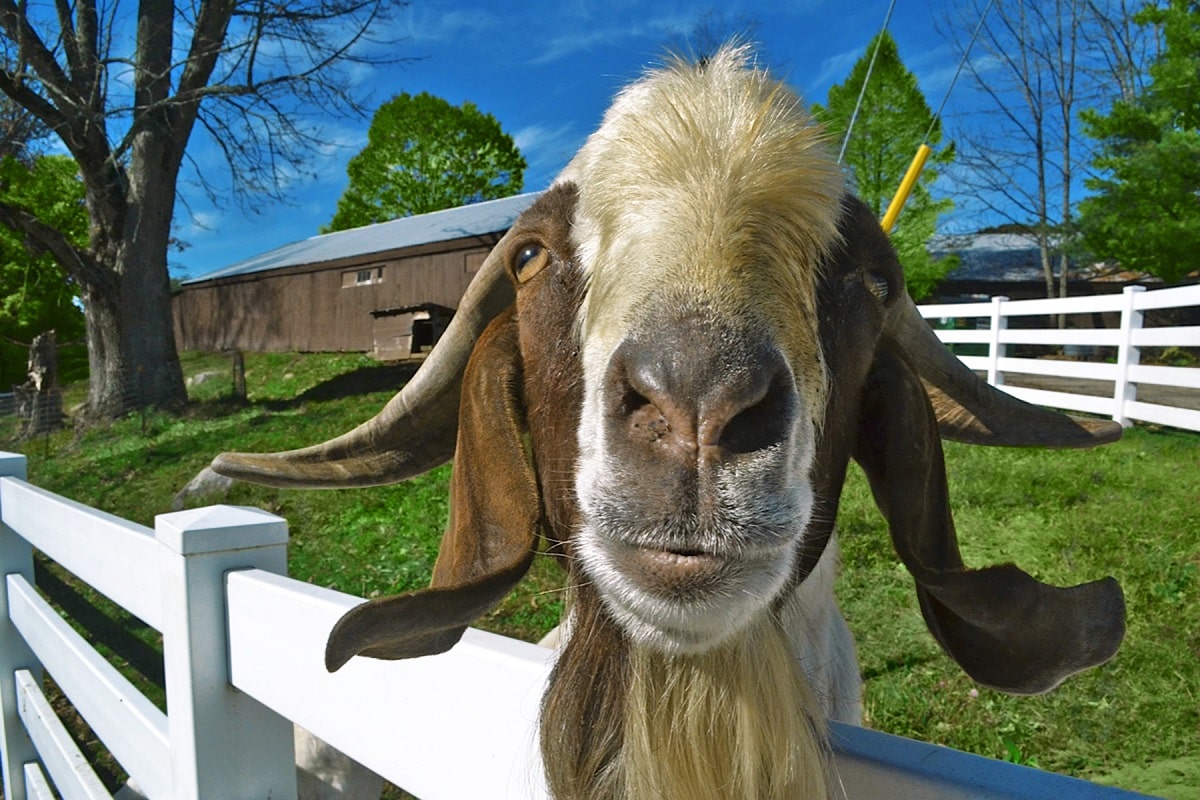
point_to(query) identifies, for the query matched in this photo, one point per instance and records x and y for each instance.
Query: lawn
(1131, 510)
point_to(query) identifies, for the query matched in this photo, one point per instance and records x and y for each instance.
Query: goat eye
(530, 260)
(878, 285)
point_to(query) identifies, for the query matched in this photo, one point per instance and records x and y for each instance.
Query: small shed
(409, 330)
(322, 294)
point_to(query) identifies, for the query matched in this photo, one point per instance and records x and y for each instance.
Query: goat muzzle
(698, 397)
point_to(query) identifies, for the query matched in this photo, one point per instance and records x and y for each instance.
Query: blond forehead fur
(707, 186)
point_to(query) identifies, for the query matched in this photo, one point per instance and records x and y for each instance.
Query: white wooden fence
(991, 329)
(243, 658)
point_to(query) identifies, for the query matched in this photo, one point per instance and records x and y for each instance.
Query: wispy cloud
(419, 24)
(833, 69)
(583, 33)
(547, 149)
(197, 224)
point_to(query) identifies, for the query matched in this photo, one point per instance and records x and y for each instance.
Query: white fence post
(996, 350)
(223, 742)
(16, 556)
(1128, 355)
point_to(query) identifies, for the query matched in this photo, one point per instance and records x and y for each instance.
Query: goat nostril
(632, 401)
(643, 416)
(761, 425)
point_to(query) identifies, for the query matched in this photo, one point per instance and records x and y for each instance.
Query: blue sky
(547, 71)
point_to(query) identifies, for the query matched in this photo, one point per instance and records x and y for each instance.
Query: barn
(390, 289)
(368, 289)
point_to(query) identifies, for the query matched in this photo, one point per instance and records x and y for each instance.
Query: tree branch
(33, 50)
(41, 238)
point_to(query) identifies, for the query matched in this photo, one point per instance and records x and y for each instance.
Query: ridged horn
(415, 431)
(969, 410)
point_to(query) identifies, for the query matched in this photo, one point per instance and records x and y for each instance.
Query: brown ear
(1006, 629)
(970, 410)
(967, 408)
(494, 519)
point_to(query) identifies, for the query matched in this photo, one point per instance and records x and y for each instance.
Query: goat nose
(701, 400)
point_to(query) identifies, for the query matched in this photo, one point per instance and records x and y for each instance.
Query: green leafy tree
(891, 125)
(36, 293)
(1145, 212)
(422, 155)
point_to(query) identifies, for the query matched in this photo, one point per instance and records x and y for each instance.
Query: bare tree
(21, 132)
(124, 86)
(1120, 48)
(1038, 63)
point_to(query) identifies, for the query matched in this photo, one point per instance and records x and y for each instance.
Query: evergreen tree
(423, 155)
(890, 126)
(1145, 213)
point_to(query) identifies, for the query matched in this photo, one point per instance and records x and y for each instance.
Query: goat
(699, 328)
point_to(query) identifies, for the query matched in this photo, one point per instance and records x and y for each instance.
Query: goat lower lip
(673, 571)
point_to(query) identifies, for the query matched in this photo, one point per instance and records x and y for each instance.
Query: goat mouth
(672, 572)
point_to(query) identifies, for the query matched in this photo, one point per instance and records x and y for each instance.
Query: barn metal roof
(996, 257)
(477, 219)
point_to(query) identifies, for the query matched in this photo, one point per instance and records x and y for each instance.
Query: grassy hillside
(1131, 510)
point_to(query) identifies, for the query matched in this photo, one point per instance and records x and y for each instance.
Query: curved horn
(970, 410)
(415, 431)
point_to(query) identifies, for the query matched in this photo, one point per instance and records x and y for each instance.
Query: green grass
(1131, 509)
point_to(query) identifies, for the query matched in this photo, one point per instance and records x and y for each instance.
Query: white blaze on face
(706, 202)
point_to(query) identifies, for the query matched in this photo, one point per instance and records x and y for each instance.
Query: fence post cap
(12, 465)
(218, 528)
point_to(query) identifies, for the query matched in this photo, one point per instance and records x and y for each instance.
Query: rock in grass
(205, 483)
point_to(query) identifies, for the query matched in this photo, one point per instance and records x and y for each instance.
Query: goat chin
(622, 721)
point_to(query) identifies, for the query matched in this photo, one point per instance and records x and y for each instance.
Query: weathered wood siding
(321, 308)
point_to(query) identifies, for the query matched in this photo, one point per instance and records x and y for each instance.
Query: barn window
(362, 277)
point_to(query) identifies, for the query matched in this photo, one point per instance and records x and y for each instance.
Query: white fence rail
(1123, 380)
(243, 658)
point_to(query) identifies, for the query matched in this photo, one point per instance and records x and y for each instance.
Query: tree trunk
(131, 349)
(130, 330)
(131, 333)
(110, 393)
(45, 409)
(1064, 265)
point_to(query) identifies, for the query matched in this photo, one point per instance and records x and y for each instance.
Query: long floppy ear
(494, 520)
(970, 410)
(966, 407)
(1006, 629)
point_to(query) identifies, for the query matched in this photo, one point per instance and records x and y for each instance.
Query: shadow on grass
(897, 665)
(364, 380)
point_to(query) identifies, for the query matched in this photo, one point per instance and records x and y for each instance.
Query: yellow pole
(906, 185)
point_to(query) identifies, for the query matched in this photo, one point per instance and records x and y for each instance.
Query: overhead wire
(962, 63)
(923, 151)
(866, 80)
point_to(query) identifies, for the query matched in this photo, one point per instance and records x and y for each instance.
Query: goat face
(704, 384)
